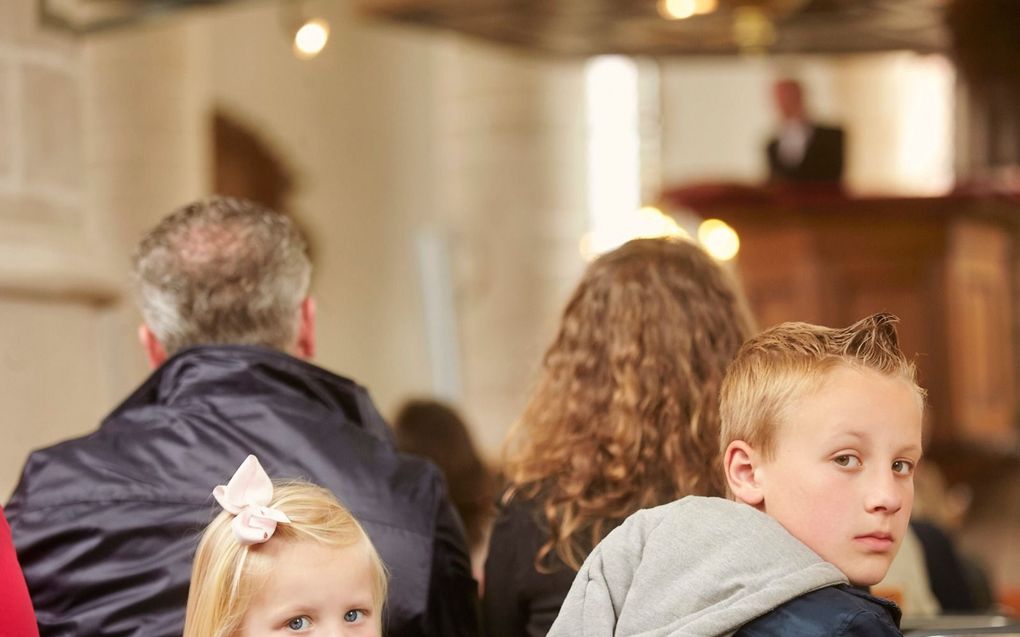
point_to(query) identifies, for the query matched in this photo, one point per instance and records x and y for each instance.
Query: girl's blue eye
(299, 623)
(352, 616)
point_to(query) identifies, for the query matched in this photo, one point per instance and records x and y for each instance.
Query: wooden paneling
(979, 311)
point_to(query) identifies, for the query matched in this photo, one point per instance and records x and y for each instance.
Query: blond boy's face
(842, 477)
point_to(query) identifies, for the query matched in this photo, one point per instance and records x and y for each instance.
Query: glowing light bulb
(677, 9)
(719, 239)
(311, 38)
(683, 9)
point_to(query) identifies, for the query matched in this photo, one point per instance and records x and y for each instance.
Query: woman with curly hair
(624, 416)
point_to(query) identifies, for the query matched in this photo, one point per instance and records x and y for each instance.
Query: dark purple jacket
(106, 525)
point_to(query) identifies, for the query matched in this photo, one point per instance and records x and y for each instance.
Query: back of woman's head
(227, 574)
(436, 431)
(625, 412)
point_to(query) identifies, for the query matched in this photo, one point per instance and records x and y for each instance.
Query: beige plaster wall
(54, 279)
(93, 149)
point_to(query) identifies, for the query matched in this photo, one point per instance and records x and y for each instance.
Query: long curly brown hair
(625, 412)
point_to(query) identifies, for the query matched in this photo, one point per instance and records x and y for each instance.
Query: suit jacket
(822, 160)
(106, 525)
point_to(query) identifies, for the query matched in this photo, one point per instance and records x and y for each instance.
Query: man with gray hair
(106, 525)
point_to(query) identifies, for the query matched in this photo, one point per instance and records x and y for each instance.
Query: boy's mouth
(878, 542)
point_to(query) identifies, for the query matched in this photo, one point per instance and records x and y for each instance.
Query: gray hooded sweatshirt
(698, 567)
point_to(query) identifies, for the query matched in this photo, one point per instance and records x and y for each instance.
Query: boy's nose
(885, 494)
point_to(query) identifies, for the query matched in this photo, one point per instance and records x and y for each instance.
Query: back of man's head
(223, 271)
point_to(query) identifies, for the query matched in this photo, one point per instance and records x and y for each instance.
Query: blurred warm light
(650, 222)
(311, 38)
(719, 239)
(676, 9)
(645, 223)
(682, 9)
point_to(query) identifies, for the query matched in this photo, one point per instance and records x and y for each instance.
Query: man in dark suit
(802, 151)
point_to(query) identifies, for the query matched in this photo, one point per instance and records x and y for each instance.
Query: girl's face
(315, 590)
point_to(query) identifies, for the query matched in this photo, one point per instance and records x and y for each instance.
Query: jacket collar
(888, 605)
(239, 370)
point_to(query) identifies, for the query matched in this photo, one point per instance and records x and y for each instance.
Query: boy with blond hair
(821, 432)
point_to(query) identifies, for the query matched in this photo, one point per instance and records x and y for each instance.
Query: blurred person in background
(624, 416)
(958, 579)
(802, 151)
(436, 431)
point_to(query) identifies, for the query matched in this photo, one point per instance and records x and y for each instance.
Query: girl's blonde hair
(227, 575)
(625, 412)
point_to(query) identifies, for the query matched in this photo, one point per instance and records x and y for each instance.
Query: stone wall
(93, 147)
(55, 279)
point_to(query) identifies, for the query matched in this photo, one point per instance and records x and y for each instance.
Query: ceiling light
(682, 9)
(310, 38)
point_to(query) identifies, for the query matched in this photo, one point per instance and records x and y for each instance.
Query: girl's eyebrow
(290, 610)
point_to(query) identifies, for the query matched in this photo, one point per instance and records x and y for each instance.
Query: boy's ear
(740, 462)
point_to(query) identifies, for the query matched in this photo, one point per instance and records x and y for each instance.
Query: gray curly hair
(223, 271)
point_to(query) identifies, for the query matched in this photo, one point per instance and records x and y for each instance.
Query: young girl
(283, 559)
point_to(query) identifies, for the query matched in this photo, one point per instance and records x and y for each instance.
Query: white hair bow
(247, 497)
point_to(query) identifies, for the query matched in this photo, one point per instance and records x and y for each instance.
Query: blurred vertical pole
(440, 313)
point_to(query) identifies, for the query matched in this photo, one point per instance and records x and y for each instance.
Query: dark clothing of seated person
(106, 525)
(436, 431)
(522, 598)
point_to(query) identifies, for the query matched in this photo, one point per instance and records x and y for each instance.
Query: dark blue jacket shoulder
(839, 611)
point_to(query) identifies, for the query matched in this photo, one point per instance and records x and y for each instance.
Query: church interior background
(456, 171)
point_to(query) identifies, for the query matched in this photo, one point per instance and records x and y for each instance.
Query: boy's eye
(846, 460)
(303, 622)
(352, 616)
(904, 467)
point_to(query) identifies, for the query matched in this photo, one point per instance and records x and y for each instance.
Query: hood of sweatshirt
(696, 567)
